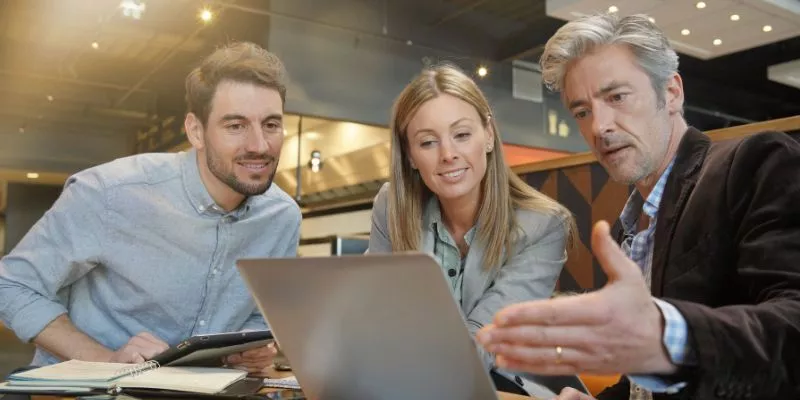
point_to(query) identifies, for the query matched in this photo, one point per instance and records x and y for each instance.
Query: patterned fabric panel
(587, 191)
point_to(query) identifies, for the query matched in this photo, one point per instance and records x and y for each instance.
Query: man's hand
(140, 348)
(617, 329)
(253, 361)
(569, 393)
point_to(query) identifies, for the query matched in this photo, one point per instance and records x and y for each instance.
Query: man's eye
(616, 98)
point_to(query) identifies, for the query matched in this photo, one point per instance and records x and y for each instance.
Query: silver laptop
(369, 327)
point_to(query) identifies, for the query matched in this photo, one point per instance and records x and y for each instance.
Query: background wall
(342, 75)
(26, 204)
(591, 196)
(2, 235)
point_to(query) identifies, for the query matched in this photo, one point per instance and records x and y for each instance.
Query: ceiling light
(685, 32)
(482, 71)
(21, 129)
(652, 20)
(734, 17)
(132, 8)
(767, 28)
(613, 9)
(717, 42)
(50, 97)
(95, 45)
(408, 42)
(701, 5)
(32, 175)
(206, 15)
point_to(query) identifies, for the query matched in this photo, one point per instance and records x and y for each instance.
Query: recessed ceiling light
(613, 9)
(652, 20)
(685, 32)
(32, 175)
(767, 28)
(206, 15)
(701, 5)
(50, 97)
(734, 17)
(482, 71)
(717, 42)
(133, 8)
(95, 45)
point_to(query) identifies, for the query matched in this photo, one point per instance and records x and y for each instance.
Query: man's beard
(226, 175)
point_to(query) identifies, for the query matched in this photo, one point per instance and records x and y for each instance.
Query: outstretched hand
(617, 329)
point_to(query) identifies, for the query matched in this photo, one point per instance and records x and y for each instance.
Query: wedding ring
(559, 350)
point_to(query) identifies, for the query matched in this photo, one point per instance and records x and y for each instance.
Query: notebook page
(6, 387)
(72, 371)
(188, 379)
(289, 382)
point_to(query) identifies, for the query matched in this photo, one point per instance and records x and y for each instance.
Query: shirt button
(202, 322)
(201, 209)
(451, 272)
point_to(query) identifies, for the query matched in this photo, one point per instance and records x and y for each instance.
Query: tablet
(208, 350)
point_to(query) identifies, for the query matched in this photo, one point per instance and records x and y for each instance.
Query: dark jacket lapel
(688, 161)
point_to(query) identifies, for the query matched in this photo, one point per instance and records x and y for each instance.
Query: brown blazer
(727, 255)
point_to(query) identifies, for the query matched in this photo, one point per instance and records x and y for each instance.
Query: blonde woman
(451, 194)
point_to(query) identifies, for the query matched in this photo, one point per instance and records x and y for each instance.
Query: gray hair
(584, 35)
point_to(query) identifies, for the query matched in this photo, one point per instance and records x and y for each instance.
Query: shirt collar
(198, 195)
(630, 213)
(433, 220)
(650, 206)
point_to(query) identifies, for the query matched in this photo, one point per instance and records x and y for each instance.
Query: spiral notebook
(111, 376)
(289, 382)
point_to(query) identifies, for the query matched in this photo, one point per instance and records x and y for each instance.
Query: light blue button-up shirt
(638, 245)
(138, 245)
(445, 248)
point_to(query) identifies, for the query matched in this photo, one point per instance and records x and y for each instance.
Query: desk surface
(271, 373)
(501, 396)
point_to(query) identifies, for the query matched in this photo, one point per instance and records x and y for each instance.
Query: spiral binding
(138, 369)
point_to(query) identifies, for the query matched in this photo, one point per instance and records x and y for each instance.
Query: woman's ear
(490, 135)
(194, 131)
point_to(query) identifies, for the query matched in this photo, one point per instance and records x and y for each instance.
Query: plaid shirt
(638, 245)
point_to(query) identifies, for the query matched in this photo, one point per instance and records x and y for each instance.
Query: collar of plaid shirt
(630, 215)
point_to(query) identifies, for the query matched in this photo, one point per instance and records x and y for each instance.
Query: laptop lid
(371, 326)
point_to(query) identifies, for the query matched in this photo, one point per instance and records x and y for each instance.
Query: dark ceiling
(135, 78)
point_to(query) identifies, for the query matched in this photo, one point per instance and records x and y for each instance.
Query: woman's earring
(489, 148)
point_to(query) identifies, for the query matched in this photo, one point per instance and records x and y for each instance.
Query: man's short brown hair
(239, 62)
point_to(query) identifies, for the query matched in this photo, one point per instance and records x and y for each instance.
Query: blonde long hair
(501, 189)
